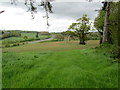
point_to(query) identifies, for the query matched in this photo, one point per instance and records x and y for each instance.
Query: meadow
(16, 41)
(29, 35)
(59, 65)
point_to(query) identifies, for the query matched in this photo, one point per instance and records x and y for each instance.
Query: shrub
(31, 39)
(59, 37)
(7, 45)
(16, 44)
(25, 37)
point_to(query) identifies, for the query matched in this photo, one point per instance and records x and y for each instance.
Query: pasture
(59, 65)
(16, 41)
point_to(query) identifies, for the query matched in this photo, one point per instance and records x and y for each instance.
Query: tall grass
(78, 68)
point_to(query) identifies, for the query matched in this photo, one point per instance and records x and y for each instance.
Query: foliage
(81, 28)
(99, 24)
(99, 21)
(25, 36)
(59, 37)
(44, 33)
(113, 18)
(114, 23)
(7, 34)
(7, 45)
(113, 32)
(16, 44)
(69, 35)
(92, 36)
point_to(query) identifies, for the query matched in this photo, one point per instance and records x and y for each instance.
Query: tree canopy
(81, 28)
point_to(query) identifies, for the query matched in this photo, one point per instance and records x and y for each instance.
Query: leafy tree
(99, 23)
(112, 35)
(81, 28)
(114, 26)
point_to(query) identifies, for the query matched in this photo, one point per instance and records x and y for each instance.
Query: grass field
(52, 46)
(21, 38)
(59, 65)
(29, 35)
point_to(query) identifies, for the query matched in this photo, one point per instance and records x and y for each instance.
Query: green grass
(52, 46)
(56, 66)
(19, 39)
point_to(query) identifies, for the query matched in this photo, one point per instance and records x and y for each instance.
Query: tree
(106, 22)
(81, 28)
(99, 23)
(112, 35)
(118, 33)
(37, 34)
(114, 26)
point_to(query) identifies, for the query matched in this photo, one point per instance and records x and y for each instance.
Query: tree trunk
(82, 39)
(106, 24)
(69, 38)
(101, 39)
(37, 35)
(101, 36)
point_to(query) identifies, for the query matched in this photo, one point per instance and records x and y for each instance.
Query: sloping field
(53, 46)
(58, 65)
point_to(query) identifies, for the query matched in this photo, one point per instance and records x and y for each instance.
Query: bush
(7, 45)
(16, 44)
(31, 39)
(93, 36)
(23, 43)
(25, 37)
(59, 37)
(7, 34)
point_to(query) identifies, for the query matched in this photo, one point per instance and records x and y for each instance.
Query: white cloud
(19, 19)
(16, 17)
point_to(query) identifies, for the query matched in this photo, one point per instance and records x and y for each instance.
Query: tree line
(107, 24)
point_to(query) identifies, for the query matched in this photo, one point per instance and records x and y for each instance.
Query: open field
(29, 35)
(52, 46)
(59, 65)
(16, 41)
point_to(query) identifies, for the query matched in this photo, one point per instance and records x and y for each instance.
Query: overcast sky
(65, 13)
